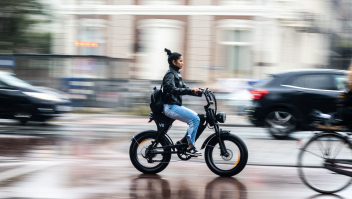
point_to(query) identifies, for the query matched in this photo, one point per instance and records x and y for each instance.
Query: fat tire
(239, 167)
(134, 159)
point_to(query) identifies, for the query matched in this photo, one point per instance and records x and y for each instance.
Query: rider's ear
(174, 62)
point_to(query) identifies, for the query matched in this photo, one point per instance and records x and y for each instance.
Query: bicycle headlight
(221, 117)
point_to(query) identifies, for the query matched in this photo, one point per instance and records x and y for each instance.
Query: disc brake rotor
(229, 157)
(145, 153)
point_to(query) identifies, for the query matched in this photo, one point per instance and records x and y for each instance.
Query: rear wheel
(280, 123)
(142, 158)
(226, 166)
(314, 155)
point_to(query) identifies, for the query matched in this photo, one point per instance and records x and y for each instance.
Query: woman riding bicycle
(174, 87)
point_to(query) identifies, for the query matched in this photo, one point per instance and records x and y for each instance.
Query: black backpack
(157, 100)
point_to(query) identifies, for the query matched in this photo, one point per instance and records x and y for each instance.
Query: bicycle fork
(223, 149)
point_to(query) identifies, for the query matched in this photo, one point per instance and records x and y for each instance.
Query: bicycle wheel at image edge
(311, 161)
(226, 166)
(139, 153)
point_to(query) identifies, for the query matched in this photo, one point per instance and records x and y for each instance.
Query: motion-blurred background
(101, 59)
(107, 55)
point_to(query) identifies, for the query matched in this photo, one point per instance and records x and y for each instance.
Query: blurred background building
(119, 44)
(218, 38)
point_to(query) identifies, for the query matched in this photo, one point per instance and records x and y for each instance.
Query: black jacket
(174, 86)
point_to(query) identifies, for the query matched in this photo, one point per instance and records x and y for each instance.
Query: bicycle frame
(164, 124)
(335, 164)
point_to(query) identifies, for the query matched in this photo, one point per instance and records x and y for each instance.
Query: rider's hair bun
(168, 51)
(172, 56)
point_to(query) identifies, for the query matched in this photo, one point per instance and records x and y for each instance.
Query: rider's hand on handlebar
(195, 91)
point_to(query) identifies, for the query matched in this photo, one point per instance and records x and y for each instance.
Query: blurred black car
(23, 101)
(283, 102)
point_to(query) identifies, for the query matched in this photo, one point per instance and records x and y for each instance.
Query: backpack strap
(167, 94)
(164, 77)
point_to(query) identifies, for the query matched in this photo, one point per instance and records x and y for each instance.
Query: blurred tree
(19, 30)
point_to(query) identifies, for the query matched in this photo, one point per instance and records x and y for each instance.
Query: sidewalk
(231, 120)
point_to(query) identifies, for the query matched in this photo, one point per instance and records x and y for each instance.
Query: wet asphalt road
(90, 160)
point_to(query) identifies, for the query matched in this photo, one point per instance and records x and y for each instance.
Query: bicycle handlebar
(206, 92)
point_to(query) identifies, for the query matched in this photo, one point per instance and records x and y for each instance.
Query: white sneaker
(193, 151)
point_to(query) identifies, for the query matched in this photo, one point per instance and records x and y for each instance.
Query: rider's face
(179, 62)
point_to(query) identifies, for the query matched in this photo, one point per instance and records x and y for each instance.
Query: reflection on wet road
(153, 186)
(92, 162)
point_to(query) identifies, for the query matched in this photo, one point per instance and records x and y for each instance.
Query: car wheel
(280, 123)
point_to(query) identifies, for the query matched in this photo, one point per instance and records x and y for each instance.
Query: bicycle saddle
(160, 117)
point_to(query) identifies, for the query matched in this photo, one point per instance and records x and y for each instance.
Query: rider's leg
(185, 115)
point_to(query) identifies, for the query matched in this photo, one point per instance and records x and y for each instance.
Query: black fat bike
(225, 153)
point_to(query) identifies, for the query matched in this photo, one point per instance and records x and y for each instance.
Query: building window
(91, 35)
(235, 41)
(238, 51)
(92, 31)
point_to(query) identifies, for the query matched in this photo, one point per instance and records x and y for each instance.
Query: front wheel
(231, 165)
(142, 157)
(313, 156)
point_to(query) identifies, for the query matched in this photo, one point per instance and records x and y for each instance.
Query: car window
(263, 82)
(316, 81)
(340, 82)
(10, 79)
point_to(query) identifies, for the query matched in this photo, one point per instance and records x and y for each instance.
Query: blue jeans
(185, 115)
